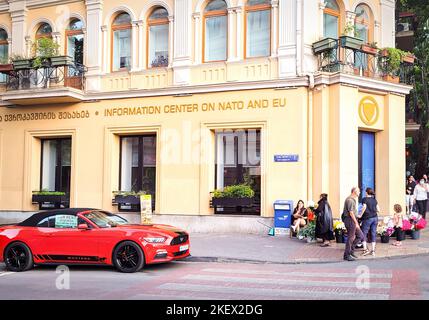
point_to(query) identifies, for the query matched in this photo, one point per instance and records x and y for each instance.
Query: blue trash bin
(282, 215)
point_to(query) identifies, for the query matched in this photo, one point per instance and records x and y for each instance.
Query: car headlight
(154, 239)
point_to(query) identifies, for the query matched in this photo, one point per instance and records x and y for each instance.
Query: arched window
(215, 31)
(4, 51)
(258, 28)
(331, 19)
(363, 22)
(121, 41)
(158, 38)
(74, 44)
(44, 31)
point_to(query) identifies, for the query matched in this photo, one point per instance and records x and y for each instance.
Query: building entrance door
(366, 161)
(238, 161)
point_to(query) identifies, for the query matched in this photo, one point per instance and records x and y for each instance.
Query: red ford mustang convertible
(88, 236)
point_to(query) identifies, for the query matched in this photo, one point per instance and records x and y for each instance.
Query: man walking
(354, 233)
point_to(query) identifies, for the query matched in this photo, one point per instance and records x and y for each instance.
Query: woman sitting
(299, 217)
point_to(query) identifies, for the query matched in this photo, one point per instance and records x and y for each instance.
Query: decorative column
(18, 13)
(105, 44)
(56, 36)
(198, 38)
(231, 51)
(142, 45)
(9, 47)
(85, 39)
(170, 40)
(240, 34)
(94, 45)
(274, 26)
(287, 53)
(182, 42)
(134, 46)
(388, 22)
(377, 31)
(350, 20)
(322, 7)
(28, 44)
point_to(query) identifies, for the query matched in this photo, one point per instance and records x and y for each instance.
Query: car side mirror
(83, 226)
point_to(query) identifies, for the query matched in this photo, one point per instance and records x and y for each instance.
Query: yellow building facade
(179, 98)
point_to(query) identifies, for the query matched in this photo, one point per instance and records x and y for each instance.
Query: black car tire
(18, 257)
(128, 257)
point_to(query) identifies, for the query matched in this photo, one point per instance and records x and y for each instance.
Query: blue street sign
(286, 158)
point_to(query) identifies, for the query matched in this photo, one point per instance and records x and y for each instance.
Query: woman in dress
(324, 221)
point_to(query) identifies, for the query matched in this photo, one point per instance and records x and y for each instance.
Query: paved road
(402, 278)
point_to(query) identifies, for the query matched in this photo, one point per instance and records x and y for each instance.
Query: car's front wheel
(18, 257)
(128, 257)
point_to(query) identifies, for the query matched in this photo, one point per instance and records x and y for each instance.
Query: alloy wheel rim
(127, 257)
(17, 257)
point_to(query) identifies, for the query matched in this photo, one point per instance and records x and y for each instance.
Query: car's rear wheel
(18, 257)
(128, 257)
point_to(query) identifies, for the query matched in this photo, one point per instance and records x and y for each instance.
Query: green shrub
(45, 192)
(129, 193)
(235, 191)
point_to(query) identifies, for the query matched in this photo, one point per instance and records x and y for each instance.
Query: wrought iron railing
(360, 62)
(47, 76)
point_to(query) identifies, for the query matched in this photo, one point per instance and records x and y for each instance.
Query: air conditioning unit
(404, 26)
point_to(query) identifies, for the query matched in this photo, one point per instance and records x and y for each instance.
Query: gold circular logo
(368, 110)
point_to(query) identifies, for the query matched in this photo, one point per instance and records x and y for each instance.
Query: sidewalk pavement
(215, 247)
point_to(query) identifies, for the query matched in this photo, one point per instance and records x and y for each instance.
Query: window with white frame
(121, 33)
(215, 31)
(158, 38)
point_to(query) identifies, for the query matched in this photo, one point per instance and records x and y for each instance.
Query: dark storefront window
(56, 165)
(138, 164)
(238, 161)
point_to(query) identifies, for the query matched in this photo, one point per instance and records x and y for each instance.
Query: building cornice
(361, 82)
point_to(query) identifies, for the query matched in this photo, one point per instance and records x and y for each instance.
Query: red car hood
(172, 231)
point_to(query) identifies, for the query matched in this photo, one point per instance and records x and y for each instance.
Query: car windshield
(105, 219)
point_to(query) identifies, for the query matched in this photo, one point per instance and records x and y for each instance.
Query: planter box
(232, 202)
(62, 61)
(369, 50)
(351, 42)
(390, 78)
(22, 64)
(6, 68)
(326, 44)
(408, 59)
(49, 198)
(339, 236)
(127, 200)
(385, 239)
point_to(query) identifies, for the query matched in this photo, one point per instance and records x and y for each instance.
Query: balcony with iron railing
(350, 55)
(50, 80)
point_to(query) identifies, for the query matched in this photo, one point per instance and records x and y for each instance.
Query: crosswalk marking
(5, 273)
(272, 292)
(372, 275)
(301, 282)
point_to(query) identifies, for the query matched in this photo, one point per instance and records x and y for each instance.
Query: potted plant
(21, 62)
(390, 63)
(325, 45)
(160, 61)
(385, 232)
(370, 48)
(235, 195)
(417, 223)
(44, 49)
(308, 232)
(408, 57)
(5, 65)
(349, 38)
(339, 230)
